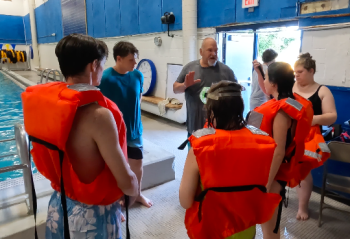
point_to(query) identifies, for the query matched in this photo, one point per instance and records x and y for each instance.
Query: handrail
(7, 155)
(7, 140)
(48, 72)
(22, 144)
(42, 75)
(47, 75)
(13, 168)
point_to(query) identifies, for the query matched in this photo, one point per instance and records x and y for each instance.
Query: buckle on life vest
(201, 196)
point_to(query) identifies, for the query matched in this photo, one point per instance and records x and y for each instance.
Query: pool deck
(30, 75)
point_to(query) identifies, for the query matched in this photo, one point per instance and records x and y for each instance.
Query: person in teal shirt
(124, 85)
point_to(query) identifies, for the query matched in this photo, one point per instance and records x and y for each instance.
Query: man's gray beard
(211, 63)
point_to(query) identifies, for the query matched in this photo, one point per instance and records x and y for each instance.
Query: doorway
(240, 48)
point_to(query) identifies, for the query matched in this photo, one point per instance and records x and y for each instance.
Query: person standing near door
(197, 75)
(258, 96)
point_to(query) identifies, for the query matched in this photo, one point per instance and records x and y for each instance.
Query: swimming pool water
(10, 113)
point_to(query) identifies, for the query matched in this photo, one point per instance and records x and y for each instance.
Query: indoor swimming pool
(10, 113)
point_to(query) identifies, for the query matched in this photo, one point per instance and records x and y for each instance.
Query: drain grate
(18, 181)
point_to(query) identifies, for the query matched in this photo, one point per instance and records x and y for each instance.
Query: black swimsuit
(316, 102)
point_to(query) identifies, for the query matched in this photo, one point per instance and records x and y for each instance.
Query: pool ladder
(22, 144)
(48, 72)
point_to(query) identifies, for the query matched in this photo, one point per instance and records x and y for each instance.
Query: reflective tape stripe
(82, 87)
(294, 103)
(313, 155)
(203, 132)
(255, 119)
(324, 147)
(255, 130)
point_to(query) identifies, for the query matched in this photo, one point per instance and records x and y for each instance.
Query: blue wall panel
(27, 31)
(216, 13)
(341, 97)
(48, 18)
(103, 18)
(129, 17)
(150, 12)
(174, 6)
(269, 10)
(89, 17)
(11, 29)
(112, 10)
(98, 18)
(73, 17)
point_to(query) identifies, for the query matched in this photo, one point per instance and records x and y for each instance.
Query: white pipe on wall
(189, 30)
(36, 59)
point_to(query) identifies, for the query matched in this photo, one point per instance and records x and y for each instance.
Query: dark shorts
(135, 149)
(135, 153)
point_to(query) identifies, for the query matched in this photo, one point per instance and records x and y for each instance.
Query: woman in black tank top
(324, 114)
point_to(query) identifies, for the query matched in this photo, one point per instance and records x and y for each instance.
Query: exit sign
(250, 3)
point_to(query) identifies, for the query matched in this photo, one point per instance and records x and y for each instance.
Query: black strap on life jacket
(34, 199)
(63, 192)
(183, 145)
(201, 196)
(279, 215)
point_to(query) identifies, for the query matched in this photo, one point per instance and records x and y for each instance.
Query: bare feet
(123, 217)
(303, 214)
(144, 201)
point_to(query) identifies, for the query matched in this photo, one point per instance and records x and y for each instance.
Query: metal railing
(22, 144)
(48, 72)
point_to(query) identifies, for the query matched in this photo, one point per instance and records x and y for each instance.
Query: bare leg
(269, 226)
(136, 167)
(304, 194)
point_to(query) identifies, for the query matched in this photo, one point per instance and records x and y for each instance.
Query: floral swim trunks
(85, 221)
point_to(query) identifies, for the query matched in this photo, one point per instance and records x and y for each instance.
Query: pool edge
(17, 79)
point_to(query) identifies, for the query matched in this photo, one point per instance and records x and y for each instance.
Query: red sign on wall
(250, 3)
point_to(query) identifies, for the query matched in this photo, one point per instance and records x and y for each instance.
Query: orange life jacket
(234, 169)
(316, 150)
(299, 109)
(49, 111)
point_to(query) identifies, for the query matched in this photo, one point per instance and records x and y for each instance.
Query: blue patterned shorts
(85, 221)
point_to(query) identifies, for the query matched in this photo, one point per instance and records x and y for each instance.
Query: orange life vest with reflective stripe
(49, 111)
(299, 109)
(316, 150)
(234, 169)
